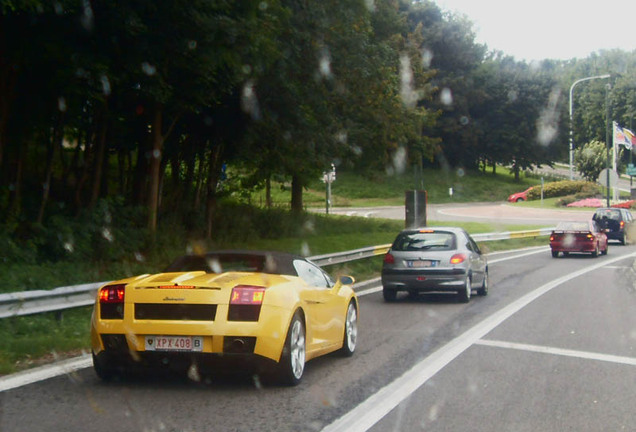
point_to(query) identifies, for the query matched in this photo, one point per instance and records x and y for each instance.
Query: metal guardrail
(62, 298)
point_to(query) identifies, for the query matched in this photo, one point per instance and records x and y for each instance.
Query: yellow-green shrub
(580, 188)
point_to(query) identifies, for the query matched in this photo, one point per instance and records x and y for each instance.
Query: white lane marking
(44, 372)
(516, 250)
(373, 409)
(558, 351)
(541, 250)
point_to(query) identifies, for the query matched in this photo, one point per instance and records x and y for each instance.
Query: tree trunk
(140, 176)
(98, 161)
(268, 192)
(8, 76)
(297, 195)
(15, 195)
(54, 142)
(82, 168)
(213, 179)
(155, 165)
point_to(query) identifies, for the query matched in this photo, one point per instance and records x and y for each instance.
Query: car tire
(604, 251)
(622, 239)
(483, 290)
(464, 294)
(104, 368)
(292, 359)
(520, 200)
(350, 337)
(389, 294)
(555, 254)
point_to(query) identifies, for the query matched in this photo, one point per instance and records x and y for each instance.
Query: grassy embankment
(28, 341)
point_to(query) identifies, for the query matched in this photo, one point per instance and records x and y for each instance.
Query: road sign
(631, 170)
(613, 178)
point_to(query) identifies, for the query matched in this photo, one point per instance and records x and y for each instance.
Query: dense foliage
(167, 106)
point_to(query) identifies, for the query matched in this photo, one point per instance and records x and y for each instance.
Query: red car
(520, 196)
(583, 237)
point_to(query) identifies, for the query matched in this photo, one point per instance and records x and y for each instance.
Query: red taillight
(622, 224)
(112, 294)
(389, 259)
(590, 237)
(247, 295)
(458, 258)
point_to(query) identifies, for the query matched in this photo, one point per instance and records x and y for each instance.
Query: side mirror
(347, 280)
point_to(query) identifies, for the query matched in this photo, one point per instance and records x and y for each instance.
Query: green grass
(354, 190)
(33, 340)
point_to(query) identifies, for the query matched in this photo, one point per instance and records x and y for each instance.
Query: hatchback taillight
(458, 258)
(622, 224)
(389, 259)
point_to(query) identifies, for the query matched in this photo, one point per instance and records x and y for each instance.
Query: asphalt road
(501, 212)
(551, 348)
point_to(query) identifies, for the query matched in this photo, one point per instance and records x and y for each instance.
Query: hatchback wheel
(466, 291)
(483, 290)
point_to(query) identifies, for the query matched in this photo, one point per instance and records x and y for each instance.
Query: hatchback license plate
(174, 343)
(421, 263)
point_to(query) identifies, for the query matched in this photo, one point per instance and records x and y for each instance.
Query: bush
(580, 188)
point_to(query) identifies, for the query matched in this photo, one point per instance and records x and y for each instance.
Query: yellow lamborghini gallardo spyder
(270, 311)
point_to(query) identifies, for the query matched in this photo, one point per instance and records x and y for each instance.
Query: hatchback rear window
(416, 241)
(608, 213)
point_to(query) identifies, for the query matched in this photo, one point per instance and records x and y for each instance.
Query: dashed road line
(558, 351)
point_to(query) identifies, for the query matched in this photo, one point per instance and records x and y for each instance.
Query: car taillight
(112, 294)
(389, 259)
(552, 238)
(589, 236)
(458, 258)
(111, 301)
(622, 224)
(247, 295)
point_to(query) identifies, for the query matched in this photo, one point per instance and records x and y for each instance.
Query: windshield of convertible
(219, 263)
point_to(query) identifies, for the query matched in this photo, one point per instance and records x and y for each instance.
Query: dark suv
(616, 221)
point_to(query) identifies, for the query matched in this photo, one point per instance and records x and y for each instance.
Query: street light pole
(571, 120)
(608, 87)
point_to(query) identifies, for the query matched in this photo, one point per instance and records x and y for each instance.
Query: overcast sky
(554, 29)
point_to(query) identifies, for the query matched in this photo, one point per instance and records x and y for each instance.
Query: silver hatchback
(434, 259)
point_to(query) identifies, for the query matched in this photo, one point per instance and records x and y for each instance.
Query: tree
(591, 159)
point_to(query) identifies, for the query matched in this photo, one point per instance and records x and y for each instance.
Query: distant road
(502, 212)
